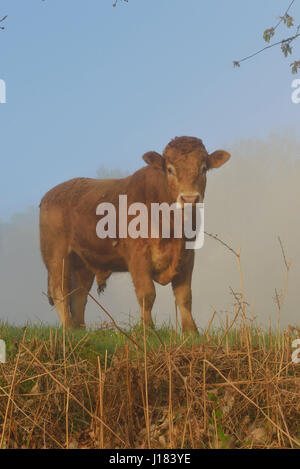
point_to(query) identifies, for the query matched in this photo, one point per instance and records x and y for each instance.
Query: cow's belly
(101, 257)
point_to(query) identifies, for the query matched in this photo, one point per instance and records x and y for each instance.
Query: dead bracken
(227, 389)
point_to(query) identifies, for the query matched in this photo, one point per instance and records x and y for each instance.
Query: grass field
(235, 387)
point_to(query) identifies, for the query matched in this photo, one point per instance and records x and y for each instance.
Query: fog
(249, 202)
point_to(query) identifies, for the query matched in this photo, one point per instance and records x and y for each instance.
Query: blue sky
(89, 85)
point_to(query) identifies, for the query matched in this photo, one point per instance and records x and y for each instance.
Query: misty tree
(111, 173)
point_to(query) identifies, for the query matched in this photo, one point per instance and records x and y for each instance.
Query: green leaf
(295, 66)
(268, 34)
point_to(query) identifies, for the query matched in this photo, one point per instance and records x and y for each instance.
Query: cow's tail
(50, 299)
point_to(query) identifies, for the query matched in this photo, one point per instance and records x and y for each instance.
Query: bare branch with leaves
(1, 21)
(118, 1)
(286, 43)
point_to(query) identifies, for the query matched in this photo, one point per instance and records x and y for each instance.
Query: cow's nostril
(190, 198)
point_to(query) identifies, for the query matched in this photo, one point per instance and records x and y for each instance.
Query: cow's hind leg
(81, 283)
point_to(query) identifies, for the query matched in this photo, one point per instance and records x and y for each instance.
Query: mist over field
(249, 202)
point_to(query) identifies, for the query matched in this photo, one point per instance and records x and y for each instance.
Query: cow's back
(70, 208)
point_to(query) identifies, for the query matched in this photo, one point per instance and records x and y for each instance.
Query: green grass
(90, 343)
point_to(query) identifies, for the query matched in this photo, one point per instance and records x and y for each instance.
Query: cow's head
(185, 163)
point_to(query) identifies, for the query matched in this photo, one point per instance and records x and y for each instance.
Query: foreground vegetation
(235, 387)
(231, 387)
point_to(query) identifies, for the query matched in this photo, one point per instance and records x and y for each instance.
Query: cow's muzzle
(191, 198)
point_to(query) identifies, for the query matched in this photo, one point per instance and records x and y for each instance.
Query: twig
(237, 63)
(222, 242)
(114, 323)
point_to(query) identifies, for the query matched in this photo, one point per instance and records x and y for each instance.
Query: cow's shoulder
(147, 185)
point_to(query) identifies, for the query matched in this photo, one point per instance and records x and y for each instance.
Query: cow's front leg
(183, 295)
(144, 287)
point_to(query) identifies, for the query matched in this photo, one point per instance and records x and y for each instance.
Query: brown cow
(74, 254)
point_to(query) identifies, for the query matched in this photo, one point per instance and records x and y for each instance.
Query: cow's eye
(170, 170)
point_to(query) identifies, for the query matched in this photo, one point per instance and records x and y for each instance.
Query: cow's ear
(218, 158)
(154, 159)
